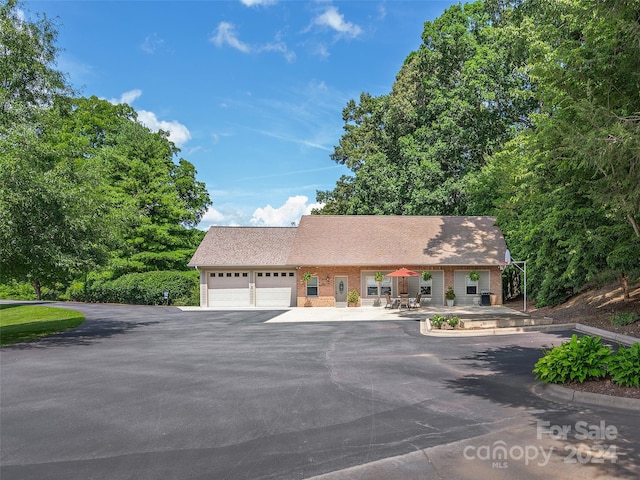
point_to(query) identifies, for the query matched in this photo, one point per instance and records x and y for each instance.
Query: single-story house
(264, 266)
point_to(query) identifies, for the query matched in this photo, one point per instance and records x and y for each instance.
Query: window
(372, 286)
(228, 274)
(221, 274)
(245, 274)
(426, 286)
(291, 274)
(275, 274)
(472, 287)
(312, 287)
(425, 289)
(259, 274)
(237, 274)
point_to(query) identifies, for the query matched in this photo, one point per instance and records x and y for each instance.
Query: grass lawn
(20, 323)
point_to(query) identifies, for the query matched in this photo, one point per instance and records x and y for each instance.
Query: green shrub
(437, 320)
(146, 288)
(579, 359)
(353, 296)
(621, 319)
(13, 290)
(453, 321)
(624, 366)
(76, 292)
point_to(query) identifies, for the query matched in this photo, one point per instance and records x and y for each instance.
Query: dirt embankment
(593, 307)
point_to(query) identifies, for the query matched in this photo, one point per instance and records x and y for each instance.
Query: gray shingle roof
(240, 246)
(362, 240)
(397, 240)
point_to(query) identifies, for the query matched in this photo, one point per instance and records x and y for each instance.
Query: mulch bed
(594, 308)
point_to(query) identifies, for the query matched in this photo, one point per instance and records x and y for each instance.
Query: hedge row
(145, 288)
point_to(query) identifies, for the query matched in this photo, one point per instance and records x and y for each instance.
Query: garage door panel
(229, 290)
(229, 297)
(273, 297)
(275, 289)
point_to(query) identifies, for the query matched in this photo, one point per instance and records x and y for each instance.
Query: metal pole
(524, 270)
(525, 286)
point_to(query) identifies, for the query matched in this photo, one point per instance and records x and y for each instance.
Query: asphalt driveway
(158, 393)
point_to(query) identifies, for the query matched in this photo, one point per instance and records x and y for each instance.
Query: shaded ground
(594, 308)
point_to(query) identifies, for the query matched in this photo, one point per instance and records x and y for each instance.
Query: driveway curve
(156, 392)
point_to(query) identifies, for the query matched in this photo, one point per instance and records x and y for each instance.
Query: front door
(341, 290)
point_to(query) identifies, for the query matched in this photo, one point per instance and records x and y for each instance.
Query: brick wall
(326, 281)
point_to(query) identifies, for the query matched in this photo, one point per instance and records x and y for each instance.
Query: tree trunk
(625, 286)
(38, 288)
(634, 224)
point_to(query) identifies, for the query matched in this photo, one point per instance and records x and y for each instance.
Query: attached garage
(229, 289)
(275, 288)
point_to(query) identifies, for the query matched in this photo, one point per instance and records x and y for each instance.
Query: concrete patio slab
(360, 314)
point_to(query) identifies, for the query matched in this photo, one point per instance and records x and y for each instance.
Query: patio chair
(415, 303)
(395, 303)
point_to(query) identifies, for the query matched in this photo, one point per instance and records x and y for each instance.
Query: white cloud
(333, 19)
(226, 35)
(178, 133)
(127, 97)
(281, 47)
(225, 214)
(253, 3)
(285, 215)
(213, 216)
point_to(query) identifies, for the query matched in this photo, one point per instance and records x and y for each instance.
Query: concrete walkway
(362, 314)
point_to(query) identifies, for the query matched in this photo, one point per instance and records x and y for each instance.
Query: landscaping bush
(17, 291)
(579, 359)
(437, 320)
(621, 319)
(75, 292)
(453, 321)
(624, 366)
(145, 288)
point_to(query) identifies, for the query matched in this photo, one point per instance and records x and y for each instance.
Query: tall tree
(53, 223)
(566, 190)
(162, 197)
(587, 57)
(29, 81)
(155, 192)
(49, 203)
(455, 100)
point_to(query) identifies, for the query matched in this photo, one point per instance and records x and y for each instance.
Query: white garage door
(229, 289)
(275, 288)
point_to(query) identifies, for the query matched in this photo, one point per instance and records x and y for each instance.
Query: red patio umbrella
(403, 272)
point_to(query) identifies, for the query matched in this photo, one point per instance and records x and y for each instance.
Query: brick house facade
(264, 266)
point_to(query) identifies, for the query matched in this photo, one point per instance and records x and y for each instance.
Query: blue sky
(252, 91)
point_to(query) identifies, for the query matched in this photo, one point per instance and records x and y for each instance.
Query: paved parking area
(156, 392)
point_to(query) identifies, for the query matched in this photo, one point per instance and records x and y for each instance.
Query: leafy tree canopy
(82, 183)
